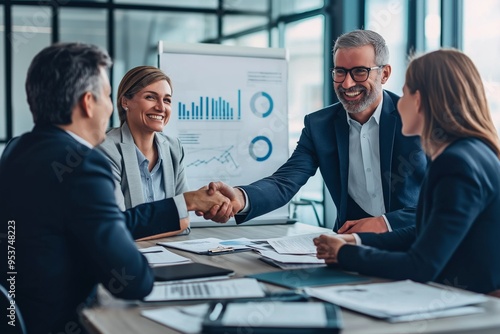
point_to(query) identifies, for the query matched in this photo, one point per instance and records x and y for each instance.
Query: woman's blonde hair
(453, 99)
(135, 80)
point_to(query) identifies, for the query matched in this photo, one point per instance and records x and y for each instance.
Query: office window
(3, 124)
(236, 23)
(258, 39)
(305, 43)
(294, 6)
(388, 18)
(83, 25)
(260, 5)
(481, 41)
(31, 32)
(433, 25)
(137, 34)
(173, 3)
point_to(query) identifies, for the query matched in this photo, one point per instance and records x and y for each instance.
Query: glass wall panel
(31, 32)
(260, 5)
(236, 23)
(3, 123)
(83, 25)
(137, 34)
(481, 41)
(281, 7)
(259, 40)
(304, 41)
(388, 18)
(433, 25)
(174, 3)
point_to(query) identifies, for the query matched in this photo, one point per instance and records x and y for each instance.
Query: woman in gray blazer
(147, 164)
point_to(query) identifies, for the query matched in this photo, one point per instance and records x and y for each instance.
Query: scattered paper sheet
(296, 244)
(395, 299)
(203, 246)
(185, 319)
(158, 255)
(292, 258)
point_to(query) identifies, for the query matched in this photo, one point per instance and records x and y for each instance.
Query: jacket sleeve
(457, 198)
(274, 191)
(100, 228)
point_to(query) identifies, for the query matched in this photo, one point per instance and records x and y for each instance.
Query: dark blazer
(455, 240)
(324, 143)
(69, 233)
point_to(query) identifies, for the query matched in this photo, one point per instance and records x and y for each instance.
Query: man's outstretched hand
(235, 196)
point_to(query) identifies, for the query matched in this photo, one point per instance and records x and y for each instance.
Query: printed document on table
(290, 258)
(205, 245)
(296, 244)
(159, 256)
(223, 289)
(395, 299)
(185, 319)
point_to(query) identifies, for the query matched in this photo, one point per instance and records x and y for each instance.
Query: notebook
(299, 278)
(189, 271)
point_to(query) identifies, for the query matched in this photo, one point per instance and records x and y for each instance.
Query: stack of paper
(296, 244)
(400, 301)
(210, 246)
(287, 261)
(159, 256)
(290, 252)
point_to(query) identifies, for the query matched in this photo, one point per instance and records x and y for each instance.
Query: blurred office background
(130, 31)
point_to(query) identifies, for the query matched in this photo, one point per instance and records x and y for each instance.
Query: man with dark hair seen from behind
(57, 198)
(371, 170)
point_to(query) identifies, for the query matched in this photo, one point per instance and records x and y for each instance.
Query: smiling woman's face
(150, 108)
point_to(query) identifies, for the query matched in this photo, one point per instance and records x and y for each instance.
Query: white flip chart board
(229, 110)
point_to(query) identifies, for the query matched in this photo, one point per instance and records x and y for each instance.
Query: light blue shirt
(153, 188)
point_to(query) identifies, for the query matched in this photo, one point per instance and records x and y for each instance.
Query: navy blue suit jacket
(324, 143)
(57, 200)
(455, 240)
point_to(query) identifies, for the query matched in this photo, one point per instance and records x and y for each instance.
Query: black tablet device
(189, 271)
(272, 317)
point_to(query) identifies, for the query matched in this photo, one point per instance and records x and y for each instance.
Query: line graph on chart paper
(203, 157)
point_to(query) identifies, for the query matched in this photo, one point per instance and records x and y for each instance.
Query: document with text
(405, 299)
(296, 244)
(223, 289)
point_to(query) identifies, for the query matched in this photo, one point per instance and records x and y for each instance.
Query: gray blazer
(119, 148)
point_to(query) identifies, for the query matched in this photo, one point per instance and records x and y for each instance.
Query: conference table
(123, 317)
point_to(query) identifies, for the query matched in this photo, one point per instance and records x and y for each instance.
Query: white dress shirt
(364, 183)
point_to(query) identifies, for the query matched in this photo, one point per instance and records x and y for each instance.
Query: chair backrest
(13, 321)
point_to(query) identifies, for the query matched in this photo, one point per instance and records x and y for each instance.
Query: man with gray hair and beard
(371, 170)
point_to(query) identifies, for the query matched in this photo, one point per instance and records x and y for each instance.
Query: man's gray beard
(355, 107)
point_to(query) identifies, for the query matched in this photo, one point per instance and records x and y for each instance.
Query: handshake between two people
(217, 201)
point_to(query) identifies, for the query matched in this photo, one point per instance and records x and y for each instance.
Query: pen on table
(151, 251)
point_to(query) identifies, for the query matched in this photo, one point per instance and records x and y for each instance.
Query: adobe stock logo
(382, 18)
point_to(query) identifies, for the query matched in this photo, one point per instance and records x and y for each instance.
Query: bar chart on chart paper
(210, 108)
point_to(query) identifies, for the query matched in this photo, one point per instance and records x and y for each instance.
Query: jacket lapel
(386, 135)
(342, 134)
(127, 146)
(166, 165)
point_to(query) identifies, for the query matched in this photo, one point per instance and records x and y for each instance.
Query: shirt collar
(141, 157)
(79, 139)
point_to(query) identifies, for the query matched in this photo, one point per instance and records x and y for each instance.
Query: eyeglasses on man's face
(358, 74)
